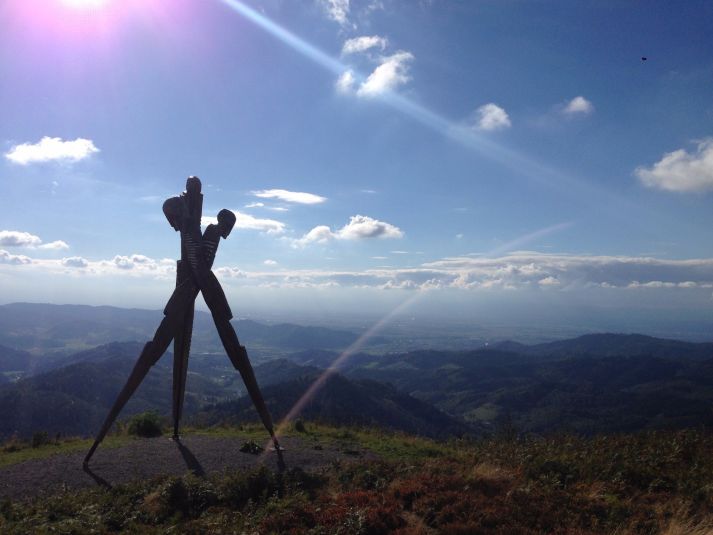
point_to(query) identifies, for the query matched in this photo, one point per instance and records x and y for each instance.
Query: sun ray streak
(576, 188)
(341, 359)
(287, 37)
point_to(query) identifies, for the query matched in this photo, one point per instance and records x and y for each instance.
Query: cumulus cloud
(345, 83)
(269, 262)
(392, 72)
(320, 234)
(528, 269)
(337, 10)
(519, 271)
(359, 227)
(578, 106)
(75, 262)
(15, 238)
(54, 245)
(123, 262)
(248, 222)
(298, 197)
(491, 117)
(364, 43)
(230, 273)
(681, 170)
(51, 149)
(7, 258)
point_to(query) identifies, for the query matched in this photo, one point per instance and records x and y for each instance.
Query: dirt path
(151, 457)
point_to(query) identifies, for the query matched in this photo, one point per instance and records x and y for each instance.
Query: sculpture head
(193, 185)
(174, 209)
(226, 222)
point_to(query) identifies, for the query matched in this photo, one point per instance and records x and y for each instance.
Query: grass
(643, 483)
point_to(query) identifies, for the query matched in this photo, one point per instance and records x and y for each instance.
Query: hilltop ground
(367, 481)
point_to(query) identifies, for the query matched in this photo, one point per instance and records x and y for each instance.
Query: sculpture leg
(175, 312)
(239, 357)
(220, 310)
(150, 354)
(181, 350)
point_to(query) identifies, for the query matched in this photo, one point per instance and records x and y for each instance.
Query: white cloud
(391, 73)
(54, 245)
(682, 171)
(578, 106)
(248, 222)
(337, 10)
(364, 43)
(519, 271)
(75, 262)
(345, 83)
(320, 234)
(359, 227)
(7, 258)
(230, 273)
(15, 238)
(269, 262)
(290, 196)
(50, 149)
(123, 262)
(492, 117)
(255, 205)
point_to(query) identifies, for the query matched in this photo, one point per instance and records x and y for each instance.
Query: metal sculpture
(193, 275)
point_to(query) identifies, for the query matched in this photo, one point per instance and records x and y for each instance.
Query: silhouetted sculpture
(193, 275)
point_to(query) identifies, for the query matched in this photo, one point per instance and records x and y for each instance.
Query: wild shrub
(13, 444)
(297, 480)
(147, 424)
(40, 438)
(370, 475)
(237, 488)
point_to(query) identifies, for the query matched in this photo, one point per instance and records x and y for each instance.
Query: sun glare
(84, 4)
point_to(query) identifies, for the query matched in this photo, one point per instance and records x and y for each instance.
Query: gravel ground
(152, 457)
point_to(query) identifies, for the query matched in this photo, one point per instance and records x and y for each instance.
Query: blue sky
(465, 152)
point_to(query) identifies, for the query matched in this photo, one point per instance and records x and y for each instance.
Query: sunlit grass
(650, 482)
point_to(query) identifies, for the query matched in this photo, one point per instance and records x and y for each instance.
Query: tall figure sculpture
(193, 275)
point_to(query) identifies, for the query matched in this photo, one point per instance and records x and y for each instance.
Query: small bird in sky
(644, 58)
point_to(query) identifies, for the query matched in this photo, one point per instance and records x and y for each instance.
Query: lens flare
(85, 4)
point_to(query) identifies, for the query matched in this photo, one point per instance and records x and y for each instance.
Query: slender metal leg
(150, 354)
(171, 323)
(239, 357)
(181, 350)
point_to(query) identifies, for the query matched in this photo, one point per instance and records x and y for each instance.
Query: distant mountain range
(590, 384)
(76, 398)
(612, 345)
(582, 394)
(44, 329)
(341, 401)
